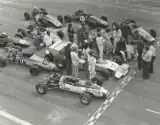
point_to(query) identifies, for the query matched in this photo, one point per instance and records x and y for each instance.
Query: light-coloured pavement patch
(93, 119)
(13, 118)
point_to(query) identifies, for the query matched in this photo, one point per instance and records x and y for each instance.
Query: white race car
(85, 88)
(119, 70)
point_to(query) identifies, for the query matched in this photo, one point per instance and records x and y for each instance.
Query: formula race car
(89, 19)
(43, 18)
(7, 41)
(35, 63)
(85, 88)
(132, 27)
(118, 70)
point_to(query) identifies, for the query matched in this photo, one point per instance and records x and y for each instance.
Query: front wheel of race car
(41, 89)
(34, 71)
(27, 16)
(85, 98)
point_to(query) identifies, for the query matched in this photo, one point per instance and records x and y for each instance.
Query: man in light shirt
(153, 49)
(47, 39)
(75, 62)
(147, 57)
(117, 34)
(100, 44)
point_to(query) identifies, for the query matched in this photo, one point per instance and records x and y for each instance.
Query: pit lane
(17, 86)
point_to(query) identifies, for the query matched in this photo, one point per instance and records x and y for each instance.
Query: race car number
(82, 18)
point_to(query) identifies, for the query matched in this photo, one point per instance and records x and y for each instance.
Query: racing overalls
(91, 67)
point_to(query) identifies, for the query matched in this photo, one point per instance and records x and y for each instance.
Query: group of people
(114, 41)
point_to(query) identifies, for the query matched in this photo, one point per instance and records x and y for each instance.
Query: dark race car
(86, 89)
(43, 18)
(35, 63)
(7, 41)
(89, 19)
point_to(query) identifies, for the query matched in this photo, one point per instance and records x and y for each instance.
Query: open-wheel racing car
(132, 27)
(43, 18)
(85, 88)
(7, 41)
(89, 19)
(35, 63)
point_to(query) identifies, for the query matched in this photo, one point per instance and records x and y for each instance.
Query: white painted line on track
(93, 119)
(155, 112)
(13, 118)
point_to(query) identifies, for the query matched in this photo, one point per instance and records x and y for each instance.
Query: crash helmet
(4, 34)
(47, 52)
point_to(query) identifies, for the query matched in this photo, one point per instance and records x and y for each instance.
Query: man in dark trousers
(153, 49)
(68, 59)
(70, 32)
(81, 36)
(138, 41)
(147, 57)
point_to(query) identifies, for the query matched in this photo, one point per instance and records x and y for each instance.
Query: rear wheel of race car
(67, 18)
(27, 16)
(85, 98)
(60, 18)
(104, 18)
(2, 63)
(41, 89)
(34, 71)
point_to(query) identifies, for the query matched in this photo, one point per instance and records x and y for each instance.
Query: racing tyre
(104, 18)
(41, 89)
(2, 63)
(34, 71)
(27, 16)
(68, 18)
(86, 98)
(60, 18)
(153, 33)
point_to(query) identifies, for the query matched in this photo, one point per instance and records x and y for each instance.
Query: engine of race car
(53, 79)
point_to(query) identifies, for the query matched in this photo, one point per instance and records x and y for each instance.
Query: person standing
(47, 39)
(108, 44)
(100, 44)
(81, 36)
(91, 65)
(75, 61)
(125, 32)
(117, 34)
(68, 60)
(153, 49)
(147, 57)
(70, 32)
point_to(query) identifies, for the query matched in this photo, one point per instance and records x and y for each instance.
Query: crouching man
(121, 49)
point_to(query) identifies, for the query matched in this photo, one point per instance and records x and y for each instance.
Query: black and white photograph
(79, 62)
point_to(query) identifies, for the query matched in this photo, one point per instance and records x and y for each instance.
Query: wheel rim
(40, 90)
(84, 100)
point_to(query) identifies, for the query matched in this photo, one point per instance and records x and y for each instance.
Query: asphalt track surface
(137, 104)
